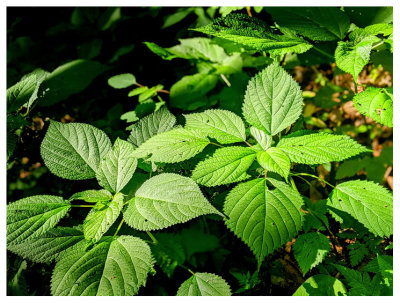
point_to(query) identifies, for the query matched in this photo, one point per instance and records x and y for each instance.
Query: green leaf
(117, 168)
(377, 104)
(122, 81)
(360, 283)
(26, 90)
(369, 203)
(190, 91)
(92, 196)
(273, 100)
(316, 23)
(73, 151)
(382, 265)
(357, 252)
(151, 125)
(68, 79)
(138, 91)
(351, 57)
(363, 16)
(165, 200)
(33, 216)
(321, 285)
(276, 160)
(310, 250)
(48, 246)
(204, 284)
(319, 148)
(101, 217)
(264, 218)
(221, 125)
(252, 33)
(261, 137)
(116, 266)
(227, 165)
(176, 145)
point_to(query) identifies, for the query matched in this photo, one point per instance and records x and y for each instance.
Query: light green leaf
(264, 218)
(176, 145)
(204, 284)
(117, 168)
(221, 125)
(151, 125)
(122, 81)
(316, 23)
(48, 246)
(165, 200)
(68, 79)
(377, 104)
(252, 33)
(101, 217)
(138, 91)
(310, 250)
(116, 266)
(319, 148)
(227, 165)
(261, 137)
(190, 91)
(33, 216)
(352, 57)
(276, 160)
(73, 151)
(273, 100)
(369, 203)
(382, 265)
(321, 285)
(92, 196)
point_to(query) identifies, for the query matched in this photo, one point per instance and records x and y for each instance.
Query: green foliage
(377, 104)
(276, 160)
(273, 100)
(92, 196)
(74, 150)
(115, 266)
(368, 202)
(204, 284)
(165, 200)
(122, 81)
(321, 285)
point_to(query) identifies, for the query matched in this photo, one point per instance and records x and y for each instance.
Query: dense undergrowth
(221, 151)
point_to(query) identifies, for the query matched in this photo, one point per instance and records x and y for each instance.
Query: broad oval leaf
(319, 148)
(369, 203)
(204, 284)
(101, 217)
(273, 100)
(276, 160)
(165, 200)
(377, 104)
(321, 285)
(226, 165)
(73, 151)
(33, 216)
(116, 266)
(156, 123)
(117, 168)
(261, 137)
(263, 218)
(176, 145)
(92, 196)
(122, 81)
(48, 246)
(221, 125)
(310, 250)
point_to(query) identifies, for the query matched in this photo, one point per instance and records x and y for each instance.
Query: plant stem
(188, 269)
(219, 145)
(293, 184)
(225, 80)
(309, 175)
(355, 87)
(119, 227)
(152, 237)
(248, 143)
(248, 9)
(82, 205)
(378, 44)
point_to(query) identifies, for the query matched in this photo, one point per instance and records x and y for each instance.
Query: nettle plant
(265, 210)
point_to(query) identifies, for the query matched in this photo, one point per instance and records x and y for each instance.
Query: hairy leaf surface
(116, 266)
(33, 216)
(226, 165)
(321, 285)
(73, 151)
(261, 137)
(369, 203)
(273, 100)
(165, 200)
(92, 196)
(263, 218)
(318, 148)
(276, 160)
(221, 125)
(204, 284)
